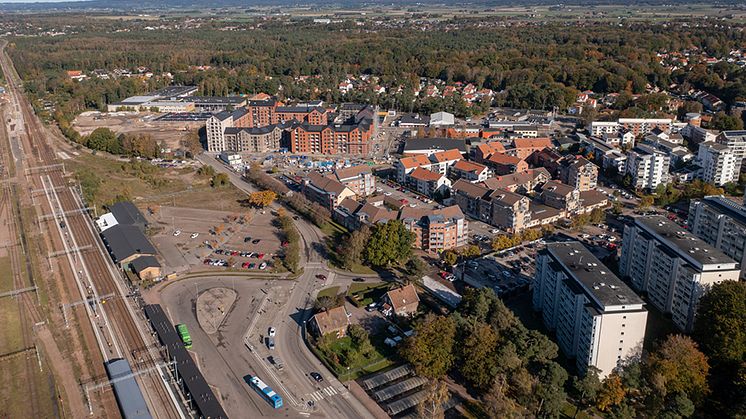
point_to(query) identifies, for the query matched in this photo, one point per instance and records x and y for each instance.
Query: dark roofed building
(146, 267)
(126, 213)
(126, 243)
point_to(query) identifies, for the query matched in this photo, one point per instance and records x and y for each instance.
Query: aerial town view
(372, 209)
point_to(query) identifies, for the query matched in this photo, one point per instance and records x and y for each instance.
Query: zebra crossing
(323, 393)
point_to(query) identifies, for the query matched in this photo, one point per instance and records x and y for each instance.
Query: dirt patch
(212, 307)
(170, 133)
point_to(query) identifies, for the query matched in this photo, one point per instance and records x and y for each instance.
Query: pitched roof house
(334, 320)
(402, 301)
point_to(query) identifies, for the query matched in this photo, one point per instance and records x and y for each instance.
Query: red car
(245, 265)
(285, 244)
(260, 256)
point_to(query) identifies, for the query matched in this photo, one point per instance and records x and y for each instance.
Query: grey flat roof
(417, 144)
(219, 100)
(126, 213)
(684, 243)
(596, 280)
(174, 91)
(727, 207)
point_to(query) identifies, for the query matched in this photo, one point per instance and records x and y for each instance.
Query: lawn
(328, 292)
(363, 365)
(362, 294)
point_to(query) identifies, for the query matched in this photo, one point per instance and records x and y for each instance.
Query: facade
(721, 223)
(217, 124)
(473, 172)
(406, 165)
(561, 196)
(597, 319)
(524, 147)
(736, 141)
(441, 119)
(718, 162)
(232, 159)
(672, 266)
(437, 230)
(578, 172)
(444, 160)
(521, 182)
(253, 140)
(637, 126)
(509, 211)
(359, 179)
(332, 138)
(648, 167)
(261, 112)
(427, 182)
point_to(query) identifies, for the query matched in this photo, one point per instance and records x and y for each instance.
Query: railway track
(120, 318)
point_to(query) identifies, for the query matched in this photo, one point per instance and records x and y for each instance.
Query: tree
(724, 122)
(646, 201)
(586, 389)
(431, 407)
(430, 350)
(611, 393)
(450, 257)
(389, 243)
(680, 367)
(415, 269)
(206, 170)
(220, 180)
(478, 356)
(328, 302)
(191, 142)
(720, 326)
(497, 403)
(352, 250)
(262, 199)
(470, 251)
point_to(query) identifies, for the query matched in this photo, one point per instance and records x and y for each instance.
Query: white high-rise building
(648, 167)
(597, 319)
(718, 162)
(215, 130)
(736, 141)
(673, 266)
(721, 222)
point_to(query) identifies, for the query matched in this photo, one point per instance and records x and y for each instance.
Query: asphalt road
(289, 320)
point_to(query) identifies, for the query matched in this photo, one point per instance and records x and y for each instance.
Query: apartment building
(521, 182)
(216, 125)
(561, 196)
(325, 191)
(578, 172)
(597, 319)
(605, 155)
(427, 182)
(312, 115)
(406, 165)
(262, 112)
(721, 223)
(253, 140)
(441, 161)
(332, 139)
(736, 141)
(672, 266)
(438, 230)
(637, 126)
(473, 172)
(648, 167)
(718, 162)
(359, 179)
(501, 208)
(622, 138)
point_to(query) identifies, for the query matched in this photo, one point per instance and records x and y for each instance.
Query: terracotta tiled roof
(500, 158)
(448, 155)
(403, 296)
(467, 166)
(425, 175)
(532, 142)
(331, 320)
(414, 161)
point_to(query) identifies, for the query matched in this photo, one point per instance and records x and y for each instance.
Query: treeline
(132, 145)
(530, 66)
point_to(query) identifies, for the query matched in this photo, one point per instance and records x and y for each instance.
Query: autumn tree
(585, 389)
(431, 407)
(611, 393)
(430, 349)
(262, 199)
(450, 257)
(720, 327)
(351, 252)
(220, 180)
(678, 366)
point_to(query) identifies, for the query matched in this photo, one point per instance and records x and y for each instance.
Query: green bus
(183, 332)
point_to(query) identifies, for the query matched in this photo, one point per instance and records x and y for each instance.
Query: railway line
(116, 324)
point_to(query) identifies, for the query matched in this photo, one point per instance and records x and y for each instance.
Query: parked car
(263, 265)
(176, 233)
(256, 241)
(247, 239)
(271, 331)
(271, 343)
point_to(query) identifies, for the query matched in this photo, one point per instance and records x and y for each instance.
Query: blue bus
(266, 392)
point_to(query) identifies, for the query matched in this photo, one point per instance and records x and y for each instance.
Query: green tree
(389, 243)
(724, 122)
(430, 350)
(450, 257)
(720, 326)
(585, 389)
(478, 361)
(220, 180)
(352, 251)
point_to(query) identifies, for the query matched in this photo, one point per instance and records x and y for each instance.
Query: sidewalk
(365, 400)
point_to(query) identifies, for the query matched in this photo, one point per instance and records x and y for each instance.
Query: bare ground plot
(221, 229)
(105, 180)
(170, 133)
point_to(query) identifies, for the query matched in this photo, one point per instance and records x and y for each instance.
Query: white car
(263, 265)
(271, 332)
(194, 235)
(387, 193)
(176, 233)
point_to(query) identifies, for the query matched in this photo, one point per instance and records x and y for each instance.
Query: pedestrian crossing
(323, 393)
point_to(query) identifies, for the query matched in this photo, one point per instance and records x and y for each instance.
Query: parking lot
(189, 237)
(404, 196)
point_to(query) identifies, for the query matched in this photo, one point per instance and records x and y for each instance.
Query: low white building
(440, 119)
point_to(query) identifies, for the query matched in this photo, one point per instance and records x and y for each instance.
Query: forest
(530, 66)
